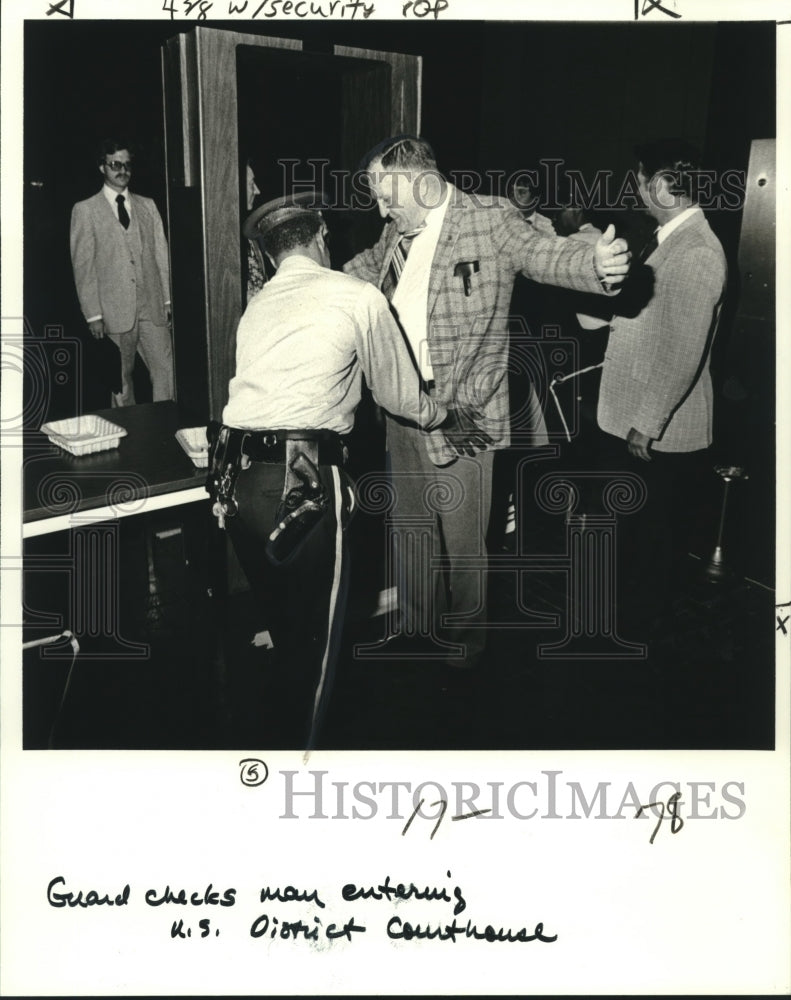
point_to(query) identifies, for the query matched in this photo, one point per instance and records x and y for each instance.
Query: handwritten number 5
(254, 772)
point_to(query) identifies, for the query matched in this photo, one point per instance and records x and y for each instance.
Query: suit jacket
(656, 368)
(468, 333)
(109, 262)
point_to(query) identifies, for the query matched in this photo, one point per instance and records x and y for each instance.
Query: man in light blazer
(451, 293)
(656, 401)
(120, 262)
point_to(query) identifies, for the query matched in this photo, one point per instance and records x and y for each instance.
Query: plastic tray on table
(84, 435)
(193, 441)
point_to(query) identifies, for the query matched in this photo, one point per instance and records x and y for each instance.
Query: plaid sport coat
(485, 239)
(656, 368)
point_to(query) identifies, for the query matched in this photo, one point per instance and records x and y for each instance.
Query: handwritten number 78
(676, 822)
(204, 6)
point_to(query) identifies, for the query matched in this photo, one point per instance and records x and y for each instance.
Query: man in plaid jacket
(447, 261)
(656, 399)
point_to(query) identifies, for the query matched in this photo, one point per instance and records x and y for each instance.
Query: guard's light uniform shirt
(303, 345)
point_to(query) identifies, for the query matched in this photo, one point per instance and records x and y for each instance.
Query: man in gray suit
(656, 401)
(120, 261)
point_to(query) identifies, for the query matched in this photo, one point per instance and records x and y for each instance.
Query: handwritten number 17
(443, 808)
(676, 822)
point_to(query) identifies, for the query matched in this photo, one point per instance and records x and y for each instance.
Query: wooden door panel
(405, 86)
(201, 80)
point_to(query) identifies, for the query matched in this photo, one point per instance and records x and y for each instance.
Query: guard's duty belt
(304, 500)
(270, 446)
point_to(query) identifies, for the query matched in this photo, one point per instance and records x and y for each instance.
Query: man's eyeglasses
(118, 165)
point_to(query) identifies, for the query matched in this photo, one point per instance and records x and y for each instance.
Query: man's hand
(637, 444)
(462, 433)
(611, 257)
(96, 327)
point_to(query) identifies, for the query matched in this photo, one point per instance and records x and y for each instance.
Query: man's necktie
(638, 287)
(649, 248)
(123, 215)
(397, 261)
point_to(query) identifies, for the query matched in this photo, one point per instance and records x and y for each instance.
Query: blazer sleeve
(367, 265)
(552, 260)
(688, 301)
(82, 242)
(388, 366)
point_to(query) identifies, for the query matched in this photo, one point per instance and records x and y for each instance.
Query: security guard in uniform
(276, 465)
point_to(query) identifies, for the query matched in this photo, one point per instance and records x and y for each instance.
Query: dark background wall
(494, 94)
(496, 97)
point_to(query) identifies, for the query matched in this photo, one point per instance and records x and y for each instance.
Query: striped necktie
(397, 261)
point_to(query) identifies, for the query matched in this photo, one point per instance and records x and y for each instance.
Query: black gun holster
(304, 500)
